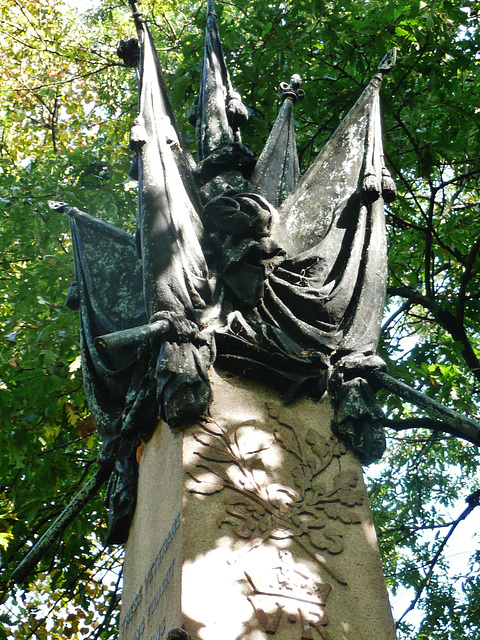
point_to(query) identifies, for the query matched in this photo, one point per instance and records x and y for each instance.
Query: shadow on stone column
(268, 534)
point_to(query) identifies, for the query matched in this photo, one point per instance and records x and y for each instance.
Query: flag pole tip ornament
(388, 61)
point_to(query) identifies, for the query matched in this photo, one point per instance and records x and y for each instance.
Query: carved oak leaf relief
(313, 511)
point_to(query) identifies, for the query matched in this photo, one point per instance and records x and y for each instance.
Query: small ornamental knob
(138, 134)
(177, 634)
(296, 82)
(129, 52)
(293, 90)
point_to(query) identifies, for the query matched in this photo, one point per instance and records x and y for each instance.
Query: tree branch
(473, 501)
(73, 77)
(429, 284)
(466, 276)
(469, 174)
(419, 56)
(468, 429)
(401, 309)
(114, 600)
(402, 177)
(70, 588)
(447, 320)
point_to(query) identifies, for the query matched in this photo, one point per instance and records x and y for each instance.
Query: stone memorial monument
(229, 360)
(228, 351)
(259, 328)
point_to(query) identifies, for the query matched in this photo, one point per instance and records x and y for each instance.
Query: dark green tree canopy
(67, 105)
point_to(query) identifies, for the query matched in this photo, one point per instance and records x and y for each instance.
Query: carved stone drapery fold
(299, 300)
(218, 112)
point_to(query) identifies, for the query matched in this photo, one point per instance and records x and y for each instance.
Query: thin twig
(71, 79)
(114, 600)
(473, 501)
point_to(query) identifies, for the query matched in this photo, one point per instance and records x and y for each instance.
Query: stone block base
(254, 524)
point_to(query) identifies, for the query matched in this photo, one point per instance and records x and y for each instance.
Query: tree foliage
(66, 107)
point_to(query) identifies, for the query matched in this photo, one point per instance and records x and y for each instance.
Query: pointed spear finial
(388, 62)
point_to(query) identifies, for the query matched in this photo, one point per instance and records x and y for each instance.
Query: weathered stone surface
(153, 553)
(276, 536)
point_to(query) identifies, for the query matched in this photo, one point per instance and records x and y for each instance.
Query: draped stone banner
(253, 524)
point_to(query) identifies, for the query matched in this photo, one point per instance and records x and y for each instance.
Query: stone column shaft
(251, 525)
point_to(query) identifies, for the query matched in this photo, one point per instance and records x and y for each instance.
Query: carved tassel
(389, 191)
(237, 113)
(371, 181)
(371, 187)
(138, 135)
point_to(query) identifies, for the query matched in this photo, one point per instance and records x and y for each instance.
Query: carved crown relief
(288, 593)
